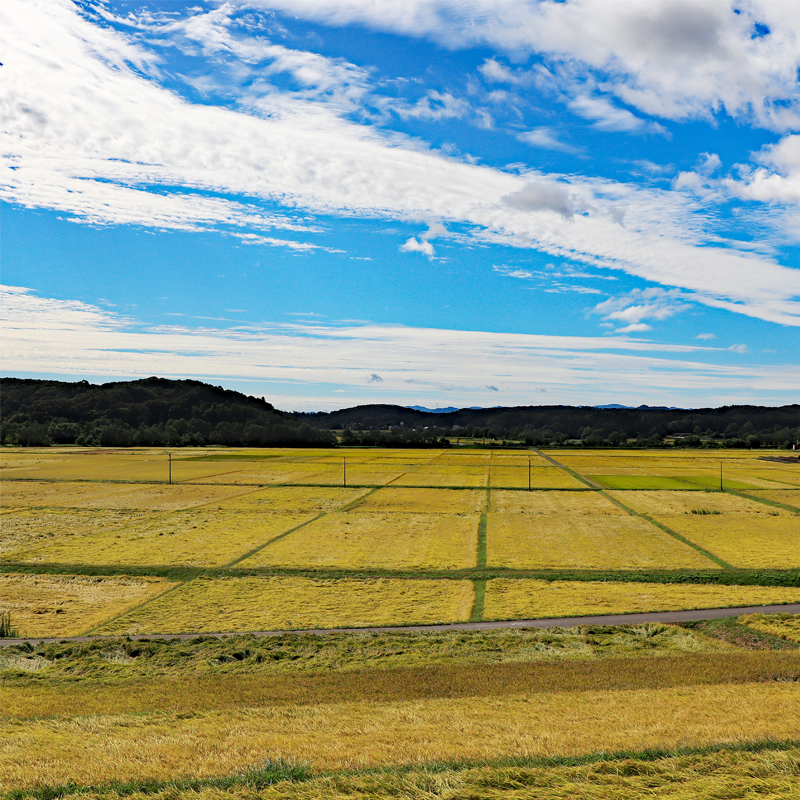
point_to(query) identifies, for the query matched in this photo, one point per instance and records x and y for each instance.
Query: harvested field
(787, 626)
(390, 540)
(743, 540)
(558, 541)
(786, 496)
(68, 605)
(507, 598)
(198, 537)
(652, 482)
(566, 503)
(242, 604)
(461, 476)
(541, 478)
(363, 734)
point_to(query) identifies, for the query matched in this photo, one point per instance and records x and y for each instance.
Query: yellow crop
(429, 501)
(541, 478)
(389, 540)
(672, 502)
(743, 540)
(129, 747)
(507, 598)
(789, 497)
(254, 603)
(150, 497)
(787, 626)
(299, 499)
(67, 605)
(559, 541)
(572, 503)
(198, 537)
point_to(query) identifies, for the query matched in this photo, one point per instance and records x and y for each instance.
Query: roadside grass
(746, 632)
(766, 769)
(363, 733)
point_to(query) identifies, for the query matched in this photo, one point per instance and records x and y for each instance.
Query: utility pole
(720, 475)
(529, 474)
(344, 473)
(170, 468)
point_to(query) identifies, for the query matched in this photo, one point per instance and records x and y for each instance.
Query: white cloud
(738, 348)
(374, 378)
(546, 139)
(150, 158)
(705, 336)
(641, 304)
(611, 118)
(672, 58)
(49, 336)
(421, 246)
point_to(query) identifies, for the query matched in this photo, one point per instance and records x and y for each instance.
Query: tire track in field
(600, 489)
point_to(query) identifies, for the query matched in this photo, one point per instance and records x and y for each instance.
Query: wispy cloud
(70, 338)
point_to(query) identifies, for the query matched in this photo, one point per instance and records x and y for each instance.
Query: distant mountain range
(448, 410)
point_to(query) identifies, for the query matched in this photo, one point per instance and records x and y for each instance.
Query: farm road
(554, 622)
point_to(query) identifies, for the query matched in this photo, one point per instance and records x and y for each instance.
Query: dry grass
(742, 540)
(97, 749)
(466, 476)
(253, 603)
(429, 501)
(787, 626)
(790, 497)
(566, 503)
(157, 497)
(201, 537)
(68, 605)
(508, 598)
(666, 502)
(353, 540)
(558, 541)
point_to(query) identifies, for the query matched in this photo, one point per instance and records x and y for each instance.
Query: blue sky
(428, 202)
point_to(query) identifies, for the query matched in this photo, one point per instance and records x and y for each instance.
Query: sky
(428, 202)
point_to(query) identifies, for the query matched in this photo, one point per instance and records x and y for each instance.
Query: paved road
(555, 622)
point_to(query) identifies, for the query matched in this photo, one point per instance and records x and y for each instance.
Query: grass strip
(480, 596)
(730, 577)
(481, 553)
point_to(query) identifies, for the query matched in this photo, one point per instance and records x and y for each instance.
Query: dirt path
(554, 622)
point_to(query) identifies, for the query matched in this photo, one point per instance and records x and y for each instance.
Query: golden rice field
(508, 598)
(357, 735)
(69, 605)
(741, 540)
(409, 513)
(276, 603)
(556, 541)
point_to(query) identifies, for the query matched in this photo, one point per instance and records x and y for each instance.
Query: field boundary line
(480, 598)
(600, 489)
(130, 610)
(481, 549)
(588, 481)
(296, 528)
(634, 618)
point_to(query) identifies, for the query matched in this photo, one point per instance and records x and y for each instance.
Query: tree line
(152, 412)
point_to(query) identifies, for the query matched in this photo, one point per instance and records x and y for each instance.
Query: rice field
(288, 515)
(557, 541)
(508, 598)
(69, 605)
(276, 603)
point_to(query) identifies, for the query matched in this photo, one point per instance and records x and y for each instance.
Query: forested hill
(541, 425)
(150, 412)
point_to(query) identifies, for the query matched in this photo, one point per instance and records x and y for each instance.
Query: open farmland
(99, 542)
(354, 526)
